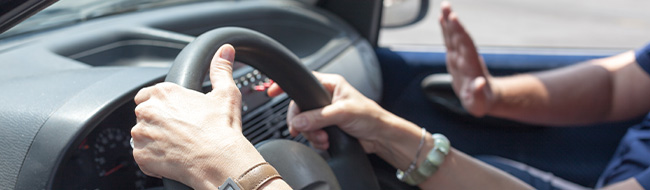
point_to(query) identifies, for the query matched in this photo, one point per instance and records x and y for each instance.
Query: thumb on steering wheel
(221, 68)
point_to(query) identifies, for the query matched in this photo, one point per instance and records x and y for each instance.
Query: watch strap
(436, 156)
(257, 176)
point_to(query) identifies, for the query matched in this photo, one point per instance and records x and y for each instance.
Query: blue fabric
(534, 181)
(643, 58)
(644, 179)
(632, 158)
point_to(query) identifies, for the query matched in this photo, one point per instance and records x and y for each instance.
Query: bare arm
(607, 89)
(458, 171)
(629, 184)
(393, 138)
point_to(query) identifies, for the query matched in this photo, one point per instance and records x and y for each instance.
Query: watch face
(229, 185)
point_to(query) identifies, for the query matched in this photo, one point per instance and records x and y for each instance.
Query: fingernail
(299, 123)
(227, 53)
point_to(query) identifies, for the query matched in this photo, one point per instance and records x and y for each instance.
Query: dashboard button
(259, 88)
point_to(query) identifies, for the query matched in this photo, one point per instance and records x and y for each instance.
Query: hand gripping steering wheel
(347, 158)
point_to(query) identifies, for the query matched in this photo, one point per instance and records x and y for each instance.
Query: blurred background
(606, 24)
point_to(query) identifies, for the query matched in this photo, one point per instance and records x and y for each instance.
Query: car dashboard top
(67, 92)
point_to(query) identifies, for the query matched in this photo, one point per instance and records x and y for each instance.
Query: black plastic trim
(363, 15)
(16, 11)
(76, 119)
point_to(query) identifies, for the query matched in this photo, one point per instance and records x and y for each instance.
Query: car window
(533, 23)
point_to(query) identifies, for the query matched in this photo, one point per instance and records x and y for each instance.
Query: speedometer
(113, 158)
(103, 159)
(109, 152)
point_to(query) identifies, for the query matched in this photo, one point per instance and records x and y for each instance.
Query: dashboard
(103, 159)
(69, 91)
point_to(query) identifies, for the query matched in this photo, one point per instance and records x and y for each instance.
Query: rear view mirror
(398, 13)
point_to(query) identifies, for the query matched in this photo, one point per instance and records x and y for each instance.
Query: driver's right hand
(350, 110)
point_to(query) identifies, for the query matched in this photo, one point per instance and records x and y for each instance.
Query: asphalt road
(617, 24)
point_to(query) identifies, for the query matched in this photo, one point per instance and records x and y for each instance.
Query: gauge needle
(109, 172)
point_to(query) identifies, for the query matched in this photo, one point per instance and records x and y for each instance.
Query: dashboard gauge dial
(113, 158)
(103, 159)
(109, 152)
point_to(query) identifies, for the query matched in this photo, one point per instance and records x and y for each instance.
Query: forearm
(605, 89)
(629, 184)
(577, 94)
(458, 171)
(399, 141)
(212, 174)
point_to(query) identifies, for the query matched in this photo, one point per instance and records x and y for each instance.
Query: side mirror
(398, 13)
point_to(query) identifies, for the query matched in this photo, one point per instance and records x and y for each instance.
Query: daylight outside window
(601, 24)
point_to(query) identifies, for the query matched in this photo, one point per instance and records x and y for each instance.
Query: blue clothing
(632, 157)
(540, 180)
(643, 58)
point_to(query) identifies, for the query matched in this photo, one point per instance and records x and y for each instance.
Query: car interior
(67, 93)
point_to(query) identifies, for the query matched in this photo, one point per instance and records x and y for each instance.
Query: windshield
(67, 12)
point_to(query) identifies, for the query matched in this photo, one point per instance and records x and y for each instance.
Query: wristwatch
(436, 156)
(229, 185)
(253, 178)
(434, 159)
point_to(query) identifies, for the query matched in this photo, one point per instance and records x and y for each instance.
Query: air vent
(270, 123)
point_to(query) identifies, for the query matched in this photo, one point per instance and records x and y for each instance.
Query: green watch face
(229, 185)
(430, 165)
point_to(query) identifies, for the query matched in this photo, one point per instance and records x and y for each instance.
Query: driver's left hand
(192, 137)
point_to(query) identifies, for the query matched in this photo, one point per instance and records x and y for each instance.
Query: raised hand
(471, 80)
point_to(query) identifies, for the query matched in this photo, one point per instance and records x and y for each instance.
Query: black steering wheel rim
(347, 158)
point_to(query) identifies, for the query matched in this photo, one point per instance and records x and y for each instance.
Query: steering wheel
(347, 158)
